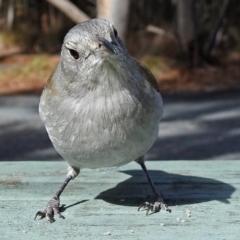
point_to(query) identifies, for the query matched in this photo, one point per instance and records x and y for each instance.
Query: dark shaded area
(176, 189)
(199, 127)
(195, 126)
(22, 134)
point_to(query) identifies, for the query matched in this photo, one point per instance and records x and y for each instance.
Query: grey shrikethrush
(101, 108)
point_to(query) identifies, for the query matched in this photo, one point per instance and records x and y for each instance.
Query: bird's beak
(108, 45)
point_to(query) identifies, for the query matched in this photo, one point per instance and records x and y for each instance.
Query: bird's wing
(149, 77)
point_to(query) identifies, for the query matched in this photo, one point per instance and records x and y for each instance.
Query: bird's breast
(103, 129)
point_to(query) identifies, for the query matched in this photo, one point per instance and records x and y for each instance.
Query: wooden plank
(104, 201)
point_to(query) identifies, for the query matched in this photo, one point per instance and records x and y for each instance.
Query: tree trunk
(217, 30)
(186, 27)
(10, 14)
(70, 10)
(115, 11)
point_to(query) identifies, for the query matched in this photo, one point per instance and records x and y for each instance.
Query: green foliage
(39, 62)
(8, 39)
(156, 65)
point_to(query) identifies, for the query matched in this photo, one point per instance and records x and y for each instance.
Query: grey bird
(101, 108)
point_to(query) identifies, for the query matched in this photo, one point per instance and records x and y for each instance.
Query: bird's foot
(156, 205)
(51, 209)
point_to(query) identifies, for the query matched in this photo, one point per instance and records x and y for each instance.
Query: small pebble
(107, 233)
(178, 219)
(183, 221)
(162, 224)
(188, 212)
(132, 231)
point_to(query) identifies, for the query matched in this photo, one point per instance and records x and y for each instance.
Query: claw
(51, 209)
(57, 212)
(42, 214)
(156, 206)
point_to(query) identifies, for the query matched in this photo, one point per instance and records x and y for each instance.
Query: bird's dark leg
(157, 200)
(54, 204)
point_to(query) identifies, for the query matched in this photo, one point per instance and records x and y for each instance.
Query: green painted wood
(102, 204)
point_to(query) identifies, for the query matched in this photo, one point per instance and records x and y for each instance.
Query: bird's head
(91, 43)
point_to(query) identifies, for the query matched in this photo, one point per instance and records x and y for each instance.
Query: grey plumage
(101, 108)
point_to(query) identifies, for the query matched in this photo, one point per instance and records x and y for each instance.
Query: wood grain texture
(105, 201)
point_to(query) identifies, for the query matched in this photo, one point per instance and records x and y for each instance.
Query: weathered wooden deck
(102, 204)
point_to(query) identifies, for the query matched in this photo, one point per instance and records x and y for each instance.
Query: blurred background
(191, 46)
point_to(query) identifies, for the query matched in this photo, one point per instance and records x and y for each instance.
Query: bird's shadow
(176, 189)
(63, 207)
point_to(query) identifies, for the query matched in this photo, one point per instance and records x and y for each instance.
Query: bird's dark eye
(74, 54)
(115, 32)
